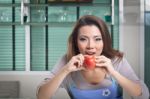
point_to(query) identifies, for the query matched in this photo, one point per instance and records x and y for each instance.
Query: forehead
(89, 30)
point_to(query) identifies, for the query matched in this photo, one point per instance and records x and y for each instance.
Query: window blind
(57, 44)
(17, 14)
(5, 1)
(12, 39)
(6, 48)
(20, 47)
(6, 61)
(116, 26)
(38, 48)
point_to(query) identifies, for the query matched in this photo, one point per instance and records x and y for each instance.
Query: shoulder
(117, 61)
(120, 63)
(59, 64)
(124, 68)
(62, 60)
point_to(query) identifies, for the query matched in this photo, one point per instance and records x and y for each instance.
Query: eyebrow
(86, 36)
(98, 36)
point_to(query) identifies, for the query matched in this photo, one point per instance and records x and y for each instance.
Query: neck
(95, 76)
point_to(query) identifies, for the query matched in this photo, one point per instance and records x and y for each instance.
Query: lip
(90, 53)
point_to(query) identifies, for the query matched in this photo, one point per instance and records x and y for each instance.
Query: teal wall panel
(5, 48)
(20, 47)
(116, 26)
(17, 14)
(58, 37)
(38, 48)
(5, 1)
(147, 48)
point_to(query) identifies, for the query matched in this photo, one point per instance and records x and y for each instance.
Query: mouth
(94, 83)
(90, 53)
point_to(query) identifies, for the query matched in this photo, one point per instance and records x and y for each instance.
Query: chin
(94, 76)
(94, 83)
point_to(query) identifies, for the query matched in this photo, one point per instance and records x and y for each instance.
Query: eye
(98, 39)
(82, 39)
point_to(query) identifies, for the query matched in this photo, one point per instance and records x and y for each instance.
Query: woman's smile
(90, 40)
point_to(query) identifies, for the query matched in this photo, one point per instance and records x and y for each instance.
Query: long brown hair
(108, 50)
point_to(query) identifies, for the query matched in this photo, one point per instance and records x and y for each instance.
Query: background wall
(28, 82)
(132, 34)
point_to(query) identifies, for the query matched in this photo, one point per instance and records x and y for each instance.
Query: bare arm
(131, 87)
(47, 90)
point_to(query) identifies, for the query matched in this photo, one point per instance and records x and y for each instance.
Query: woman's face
(90, 40)
(90, 43)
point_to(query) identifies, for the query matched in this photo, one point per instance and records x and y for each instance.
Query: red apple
(89, 62)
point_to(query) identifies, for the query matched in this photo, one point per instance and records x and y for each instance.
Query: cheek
(81, 46)
(100, 47)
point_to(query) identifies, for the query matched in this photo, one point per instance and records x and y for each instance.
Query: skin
(89, 42)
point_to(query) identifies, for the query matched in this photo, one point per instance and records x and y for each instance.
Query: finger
(77, 63)
(101, 64)
(81, 68)
(99, 57)
(80, 55)
(100, 60)
(102, 57)
(79, 60)
(82, 59)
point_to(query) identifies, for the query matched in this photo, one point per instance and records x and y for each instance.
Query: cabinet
(54, 12)
(70, 12)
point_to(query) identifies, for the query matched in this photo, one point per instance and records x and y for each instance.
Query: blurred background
(34, 33)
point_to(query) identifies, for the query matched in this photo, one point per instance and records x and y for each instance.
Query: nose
(90, 44)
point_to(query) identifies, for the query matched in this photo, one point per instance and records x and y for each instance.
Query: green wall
(147, 48)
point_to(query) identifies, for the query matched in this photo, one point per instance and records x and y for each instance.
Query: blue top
(110, 92)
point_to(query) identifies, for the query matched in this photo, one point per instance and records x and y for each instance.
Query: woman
(112, 73)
